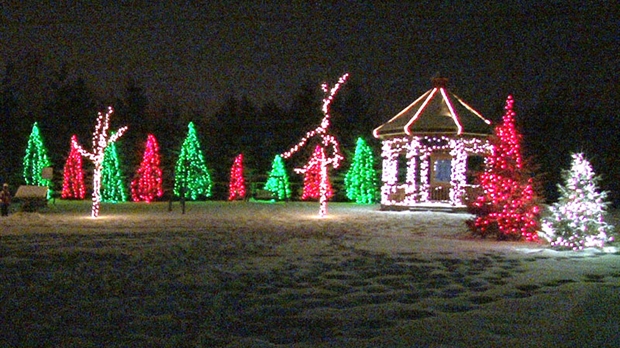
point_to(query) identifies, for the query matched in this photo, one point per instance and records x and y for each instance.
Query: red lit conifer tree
(508, 208)
(73, 177)
(237, 182)
(147, 184)
(313, 178)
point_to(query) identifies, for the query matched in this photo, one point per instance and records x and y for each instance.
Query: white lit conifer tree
(577, 218)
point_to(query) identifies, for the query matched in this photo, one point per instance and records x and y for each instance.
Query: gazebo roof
(438, 111)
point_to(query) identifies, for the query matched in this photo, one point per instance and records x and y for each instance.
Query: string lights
(328, 141)
(113, 188)
(419, 150)
(100, 140)
(508, 206)
(577, 219)
(192, 178)
(361, 180)
(313, 177)
(277, 181)
(430, 150)
(35, 159)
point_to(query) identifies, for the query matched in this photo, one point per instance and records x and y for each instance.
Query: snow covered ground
(260, 275)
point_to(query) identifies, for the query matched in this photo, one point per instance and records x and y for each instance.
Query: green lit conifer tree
(278, 182)
(361, 179)
(35, 159)
(191, 174)
(113, 188)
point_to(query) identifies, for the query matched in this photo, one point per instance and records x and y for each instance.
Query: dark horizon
(199, 55)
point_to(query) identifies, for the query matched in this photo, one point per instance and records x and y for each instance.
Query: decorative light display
(101, 140)
(577, 218)
(237, 182)
(278, 182)
(35, 159)
(73, 175)
(113, 188)
(418, 151)
(313, 176)
(508, 206)
(327, 141)
(148, 183)
(191, 173)
(361, 180)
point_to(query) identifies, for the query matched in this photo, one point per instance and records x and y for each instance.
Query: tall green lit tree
(577, 218)
(35, 159)
(191, 175)
(278, 182)
(113, 188)
(361, 181)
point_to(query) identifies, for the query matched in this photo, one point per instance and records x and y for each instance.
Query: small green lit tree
(191, 175)
(36, 159)
(278, 182)
(361, 182)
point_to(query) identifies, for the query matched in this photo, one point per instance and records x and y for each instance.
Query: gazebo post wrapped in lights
(431, 150)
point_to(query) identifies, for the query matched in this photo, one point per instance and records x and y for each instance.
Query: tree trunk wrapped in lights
(315, 182)
(101, 140)
(328, 141)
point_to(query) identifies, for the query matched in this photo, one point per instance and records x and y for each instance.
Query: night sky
(200, 54)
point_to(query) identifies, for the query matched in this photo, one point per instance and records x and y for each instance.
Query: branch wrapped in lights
(101, 140)
(327, 141)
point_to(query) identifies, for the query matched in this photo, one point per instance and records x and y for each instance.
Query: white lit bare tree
(101, 140)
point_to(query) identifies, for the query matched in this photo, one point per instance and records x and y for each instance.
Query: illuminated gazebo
(431, 151)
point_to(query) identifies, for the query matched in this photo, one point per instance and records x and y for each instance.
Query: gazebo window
(442, 170)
